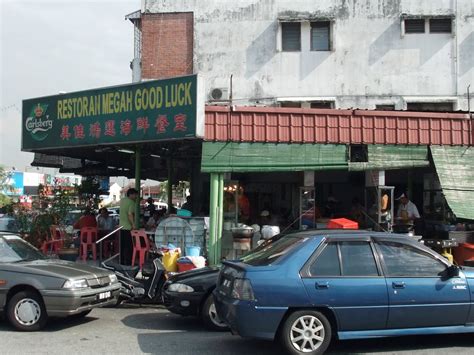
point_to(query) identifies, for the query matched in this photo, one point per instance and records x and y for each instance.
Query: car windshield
(8, 225)
(15, 249)
(270, 251)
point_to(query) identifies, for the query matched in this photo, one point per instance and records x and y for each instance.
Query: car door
(420, 292)
(345, 276)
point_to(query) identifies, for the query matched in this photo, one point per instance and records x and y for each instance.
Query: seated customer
(86, 220)
(104, 221)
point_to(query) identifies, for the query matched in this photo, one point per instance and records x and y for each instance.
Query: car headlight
(71, 284)
(177, 287)
(113, 278)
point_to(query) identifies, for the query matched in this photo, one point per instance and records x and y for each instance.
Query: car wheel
(26, 311)
(209, 315)
(306, 332)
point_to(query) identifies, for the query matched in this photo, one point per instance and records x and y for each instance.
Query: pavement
(131, 329)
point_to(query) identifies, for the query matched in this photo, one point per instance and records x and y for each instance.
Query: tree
(5, 186)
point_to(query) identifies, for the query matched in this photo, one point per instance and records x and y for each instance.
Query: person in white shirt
(407, 210)
(104, 221)
(155, 219)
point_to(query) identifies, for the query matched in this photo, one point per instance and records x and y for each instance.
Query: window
(385, 107)
(430, 106)
(414, 25)
(327, 263)
(320, 36)
(271, 250)
(291, 36)
(440, 25)
(322, 104)
(357, 259)
(405, 260)
(290, 104)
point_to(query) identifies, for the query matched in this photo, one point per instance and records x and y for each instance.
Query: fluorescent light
(126, 151)
(154, 156)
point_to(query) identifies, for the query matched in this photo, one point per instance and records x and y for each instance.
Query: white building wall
(371, 61)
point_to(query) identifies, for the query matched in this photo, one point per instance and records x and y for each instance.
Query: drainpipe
(138, 171)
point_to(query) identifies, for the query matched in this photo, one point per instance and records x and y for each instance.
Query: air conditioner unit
(219, 94)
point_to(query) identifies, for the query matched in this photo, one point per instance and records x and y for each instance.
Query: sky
(48, 47)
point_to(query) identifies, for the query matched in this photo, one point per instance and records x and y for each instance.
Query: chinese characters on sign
(126, 127)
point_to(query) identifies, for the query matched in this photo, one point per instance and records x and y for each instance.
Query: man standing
(407, 210)
(127, 221)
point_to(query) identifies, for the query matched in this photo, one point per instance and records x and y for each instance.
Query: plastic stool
(141, 246)
(88, 238)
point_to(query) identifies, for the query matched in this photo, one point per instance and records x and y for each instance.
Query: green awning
(391, 157)
(221, 157)
(455, 168)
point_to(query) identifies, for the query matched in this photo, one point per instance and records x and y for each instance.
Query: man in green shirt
(127, 221)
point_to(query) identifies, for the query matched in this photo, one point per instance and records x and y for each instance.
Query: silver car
(33, 287)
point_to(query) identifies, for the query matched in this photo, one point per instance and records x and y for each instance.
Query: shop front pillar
(170, 184)
(213, 206)
(216, 214)
(138, 171)
(220, 217)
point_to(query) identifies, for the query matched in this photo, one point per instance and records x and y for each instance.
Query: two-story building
(402, 55)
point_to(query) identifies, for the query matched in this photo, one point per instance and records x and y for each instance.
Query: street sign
(144, 112)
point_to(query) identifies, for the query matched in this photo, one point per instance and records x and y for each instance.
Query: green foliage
(89, 192)
(179, 190)
(4, 187)
(4, 200)
(54, 204)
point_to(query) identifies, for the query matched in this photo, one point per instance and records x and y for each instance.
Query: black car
(190, 294)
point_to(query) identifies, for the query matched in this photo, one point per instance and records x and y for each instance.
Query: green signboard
(144, 112)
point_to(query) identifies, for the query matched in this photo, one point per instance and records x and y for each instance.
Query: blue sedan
(304, 289)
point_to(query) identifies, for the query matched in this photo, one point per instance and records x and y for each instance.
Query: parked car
(72, 217)
(190, 294)
(9, 224)
(33, 288)
(305, 288)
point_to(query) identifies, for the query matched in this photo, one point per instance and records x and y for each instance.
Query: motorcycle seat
(131, 271)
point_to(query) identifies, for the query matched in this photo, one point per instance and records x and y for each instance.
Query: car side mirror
(453, 271)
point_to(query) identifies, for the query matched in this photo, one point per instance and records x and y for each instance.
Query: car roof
(345, 233)
(8, 234)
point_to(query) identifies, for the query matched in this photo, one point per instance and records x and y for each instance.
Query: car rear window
(269, 252)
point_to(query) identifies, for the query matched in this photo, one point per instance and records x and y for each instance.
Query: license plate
(104, 295)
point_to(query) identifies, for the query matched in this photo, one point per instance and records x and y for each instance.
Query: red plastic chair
(57, 235)
(54, 241)
(88, 238)
(48, 246)
(141, 246)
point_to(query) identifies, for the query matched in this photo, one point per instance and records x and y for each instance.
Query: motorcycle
(144, 289)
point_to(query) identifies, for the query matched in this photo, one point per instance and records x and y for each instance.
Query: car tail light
(242, 290)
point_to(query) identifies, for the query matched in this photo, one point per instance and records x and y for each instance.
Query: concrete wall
(371, 61)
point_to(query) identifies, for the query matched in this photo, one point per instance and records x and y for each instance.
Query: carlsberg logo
(34, 125)
(37, 123)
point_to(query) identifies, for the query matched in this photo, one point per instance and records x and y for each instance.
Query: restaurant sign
(144, 112)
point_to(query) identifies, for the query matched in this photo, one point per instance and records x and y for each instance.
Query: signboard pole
(170, 183)
(138, 168)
